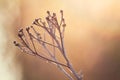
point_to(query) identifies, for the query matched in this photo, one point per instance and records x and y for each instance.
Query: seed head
(54, 14)
(48, 12)
(27, 29)
(61, 11)
(21, 30)
(15, 43)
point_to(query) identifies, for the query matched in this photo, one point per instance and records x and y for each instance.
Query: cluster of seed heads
(55, 29)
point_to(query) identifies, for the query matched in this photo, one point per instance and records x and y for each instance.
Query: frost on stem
(55, 29)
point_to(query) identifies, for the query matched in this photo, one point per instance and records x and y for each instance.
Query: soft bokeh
(92, 37)
(10, 67)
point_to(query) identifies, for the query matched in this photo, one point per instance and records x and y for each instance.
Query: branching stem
(56, 33)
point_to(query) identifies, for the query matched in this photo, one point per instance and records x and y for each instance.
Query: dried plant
(31, 38)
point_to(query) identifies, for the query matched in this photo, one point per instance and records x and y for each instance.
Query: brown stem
(65, 56)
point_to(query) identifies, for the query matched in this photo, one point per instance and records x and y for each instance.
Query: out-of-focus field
(92, 38)
(10, 66)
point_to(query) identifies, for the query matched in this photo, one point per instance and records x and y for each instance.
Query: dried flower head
(16, 44)
(55, 30)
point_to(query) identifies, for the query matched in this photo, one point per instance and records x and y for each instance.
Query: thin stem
(44, 41)
(55, 31)
(59, 66)
(65, 56)
(40, 55)
(51, 60)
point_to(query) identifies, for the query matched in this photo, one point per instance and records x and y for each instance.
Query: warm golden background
(92, 38)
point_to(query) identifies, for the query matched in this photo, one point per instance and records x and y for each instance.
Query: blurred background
(92, 38)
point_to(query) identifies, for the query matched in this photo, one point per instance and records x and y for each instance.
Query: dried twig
(55, 31)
